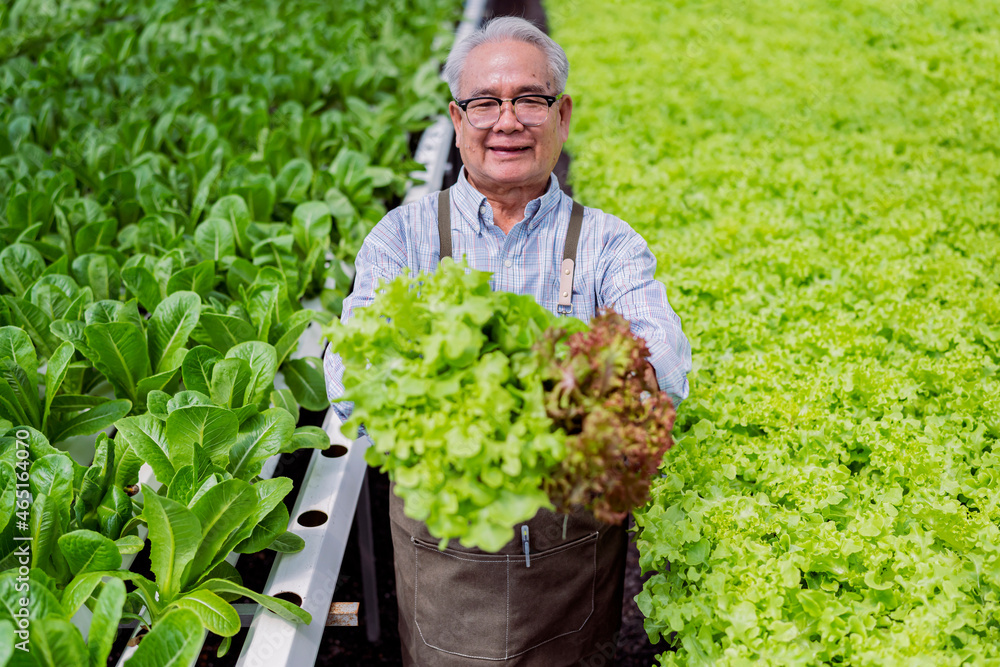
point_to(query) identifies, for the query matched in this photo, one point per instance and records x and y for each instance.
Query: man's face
(509, 155)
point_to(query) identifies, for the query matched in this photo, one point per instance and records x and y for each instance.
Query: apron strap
(565, 306)
(444, 222)
(568, 267)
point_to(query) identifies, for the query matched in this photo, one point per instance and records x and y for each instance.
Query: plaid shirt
(614, 268)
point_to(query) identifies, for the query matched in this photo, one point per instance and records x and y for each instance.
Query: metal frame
(435, 143)
(366, 547)
(471, 18)
(432, 152)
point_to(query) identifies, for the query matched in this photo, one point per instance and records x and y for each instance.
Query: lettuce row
(815, 180)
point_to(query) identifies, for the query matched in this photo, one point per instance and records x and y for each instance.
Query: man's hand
(649, 385)
(649, 377)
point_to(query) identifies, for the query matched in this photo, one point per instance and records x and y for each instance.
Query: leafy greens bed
(819, 183)
(177, 180)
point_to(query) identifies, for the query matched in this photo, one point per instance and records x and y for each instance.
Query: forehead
(504, 69)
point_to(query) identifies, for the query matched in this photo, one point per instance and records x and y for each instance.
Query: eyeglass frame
(550, 99)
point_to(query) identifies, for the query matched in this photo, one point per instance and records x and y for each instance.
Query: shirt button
(508, 263)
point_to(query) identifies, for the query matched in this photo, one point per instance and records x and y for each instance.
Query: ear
(456, 119)
(565, 112)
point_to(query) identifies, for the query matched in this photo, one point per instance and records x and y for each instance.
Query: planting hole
(288, 596)
(312, 518)
(334, 451)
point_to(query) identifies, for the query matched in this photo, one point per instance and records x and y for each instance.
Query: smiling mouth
(511, 150)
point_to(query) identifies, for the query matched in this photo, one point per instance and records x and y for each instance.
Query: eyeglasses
(484, 112)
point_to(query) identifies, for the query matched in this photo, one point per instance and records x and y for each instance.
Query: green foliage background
(819, 183)
(201, 163)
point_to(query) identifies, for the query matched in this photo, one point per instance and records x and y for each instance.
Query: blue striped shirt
(614, 268)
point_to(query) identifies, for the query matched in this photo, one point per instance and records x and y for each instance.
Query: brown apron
(560, 605)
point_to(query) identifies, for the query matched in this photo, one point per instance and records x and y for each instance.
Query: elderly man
(507, 215)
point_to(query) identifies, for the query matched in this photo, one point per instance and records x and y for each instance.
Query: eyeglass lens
(528, 110)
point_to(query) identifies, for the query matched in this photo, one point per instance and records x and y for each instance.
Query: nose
(508, 119)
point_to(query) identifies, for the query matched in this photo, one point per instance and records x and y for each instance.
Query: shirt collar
(476, 211)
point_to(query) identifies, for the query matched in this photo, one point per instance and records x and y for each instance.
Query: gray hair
(507, 29)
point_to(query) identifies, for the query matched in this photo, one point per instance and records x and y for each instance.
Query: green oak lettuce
(453, 400)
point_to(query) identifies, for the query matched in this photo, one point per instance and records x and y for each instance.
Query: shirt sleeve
(627, 270)
(382, 258)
